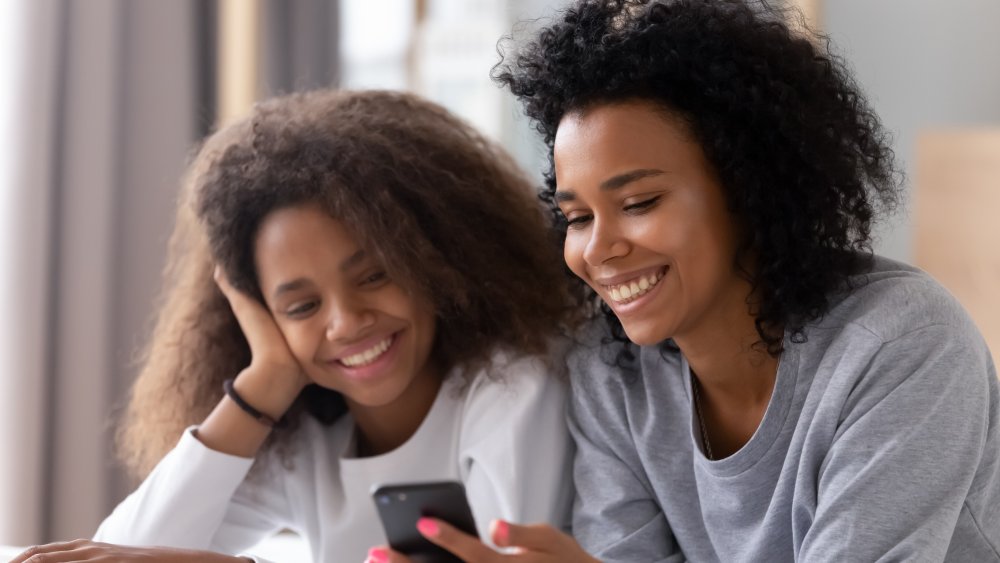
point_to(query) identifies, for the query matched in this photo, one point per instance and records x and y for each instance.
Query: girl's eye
(300, 310)
(642, 206)
(375, 278)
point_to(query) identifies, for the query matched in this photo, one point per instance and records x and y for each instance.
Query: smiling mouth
(633, 289)
(368, 356)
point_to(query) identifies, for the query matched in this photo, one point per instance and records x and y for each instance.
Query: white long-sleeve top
(504, 437)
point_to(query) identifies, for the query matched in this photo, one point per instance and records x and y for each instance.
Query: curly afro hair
(803, 160)
(446, 211)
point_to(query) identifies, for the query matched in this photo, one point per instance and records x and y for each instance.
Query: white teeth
(368, 356)
(626, 292)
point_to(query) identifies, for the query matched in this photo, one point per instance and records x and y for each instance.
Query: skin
(538, 543)
(324, 303)
(640, 196)
(332, 301)
(86, 550)
(642, 199)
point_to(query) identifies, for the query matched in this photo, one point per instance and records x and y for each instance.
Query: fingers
(541, 542)
(222, 281)
(538, 542)
(255, 320)
(237, 299)
(383, 554)
(49, 549)
(267, 344)
(534, 537)
(466, 547)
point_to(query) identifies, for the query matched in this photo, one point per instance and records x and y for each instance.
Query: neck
(725, 351)
(383, 428)
(735, 375)
(736, 368)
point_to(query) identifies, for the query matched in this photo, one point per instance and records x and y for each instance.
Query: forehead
(610, 139)
(302, 240)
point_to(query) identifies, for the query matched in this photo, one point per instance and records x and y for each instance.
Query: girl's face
(351, 327)
(648, 224)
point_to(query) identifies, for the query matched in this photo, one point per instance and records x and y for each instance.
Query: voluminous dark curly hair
(802, 158)
(445, 211)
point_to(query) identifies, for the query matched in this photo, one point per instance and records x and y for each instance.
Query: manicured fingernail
(428, 527)
(378, 555)
(500, 531)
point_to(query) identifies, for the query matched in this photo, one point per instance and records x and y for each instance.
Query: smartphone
(401, 505)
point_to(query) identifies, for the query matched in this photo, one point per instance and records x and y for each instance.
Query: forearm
(96, 551)
(228, 429)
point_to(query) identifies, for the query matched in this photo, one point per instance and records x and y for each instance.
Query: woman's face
(648, 224)
(351, 327)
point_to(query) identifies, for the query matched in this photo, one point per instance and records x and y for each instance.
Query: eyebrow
(352, 261)
(613, 183)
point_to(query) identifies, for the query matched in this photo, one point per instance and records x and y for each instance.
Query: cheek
(301, 340)
(573, 249)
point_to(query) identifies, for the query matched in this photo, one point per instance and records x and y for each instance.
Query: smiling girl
(389, 303)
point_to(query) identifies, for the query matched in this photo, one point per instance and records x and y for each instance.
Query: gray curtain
(118, 93)
(117, 117)
(299, 45)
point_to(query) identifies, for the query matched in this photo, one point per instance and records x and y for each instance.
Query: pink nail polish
(501, 532)
(427, 527)
(378, 555)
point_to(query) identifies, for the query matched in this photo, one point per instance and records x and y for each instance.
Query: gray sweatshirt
(880, 442)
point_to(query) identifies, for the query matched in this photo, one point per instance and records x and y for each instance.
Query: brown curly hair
(446, 211)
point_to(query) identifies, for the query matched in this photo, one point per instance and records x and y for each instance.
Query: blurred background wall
(102, 101)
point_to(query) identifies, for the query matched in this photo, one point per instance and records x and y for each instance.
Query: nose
(606, 242)
(347, 320)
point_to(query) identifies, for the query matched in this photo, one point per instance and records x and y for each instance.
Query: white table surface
(7, 552)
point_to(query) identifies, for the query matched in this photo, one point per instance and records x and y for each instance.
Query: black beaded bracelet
(260, 417)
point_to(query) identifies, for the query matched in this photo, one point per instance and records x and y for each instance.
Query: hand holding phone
(401, 505)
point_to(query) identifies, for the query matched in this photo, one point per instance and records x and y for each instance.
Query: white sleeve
(515, 452)
(198, 498)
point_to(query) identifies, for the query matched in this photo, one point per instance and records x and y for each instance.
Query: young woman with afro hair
(762, 387)
(375, 276)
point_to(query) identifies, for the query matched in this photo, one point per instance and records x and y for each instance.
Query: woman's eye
(641, 206)
(577, 221)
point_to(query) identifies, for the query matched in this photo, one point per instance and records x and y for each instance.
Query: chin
(645, 335)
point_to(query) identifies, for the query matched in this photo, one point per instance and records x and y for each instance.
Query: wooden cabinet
(956, 218)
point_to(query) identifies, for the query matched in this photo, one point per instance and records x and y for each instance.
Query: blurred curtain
(300, 45)
(25, 124)
(110, 111)
(112, 97)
